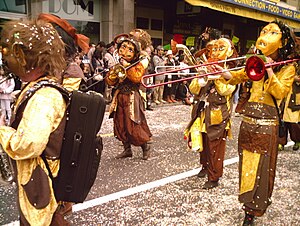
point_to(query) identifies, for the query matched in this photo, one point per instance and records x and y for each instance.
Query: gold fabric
(196, 133)
(216, 116)
(289, 115)
(278, 85)
(42, 115)
(223, 88)
(261, 122)
(71, 83)
(195, 87)
(249, 170)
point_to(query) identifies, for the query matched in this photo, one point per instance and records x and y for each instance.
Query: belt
(261, 122)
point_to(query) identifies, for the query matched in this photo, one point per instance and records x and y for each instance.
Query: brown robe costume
(127, 108)
(258, 138)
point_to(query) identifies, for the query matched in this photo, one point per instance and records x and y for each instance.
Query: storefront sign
(268, 8)
(82, 10)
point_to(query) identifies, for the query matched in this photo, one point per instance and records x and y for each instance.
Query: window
(90, 29)
(17, 6)
(156, 25)
(142, 23)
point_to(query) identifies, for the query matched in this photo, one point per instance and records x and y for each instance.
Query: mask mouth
(263, 44)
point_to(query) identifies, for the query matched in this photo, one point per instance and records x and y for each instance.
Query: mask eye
(263, 32)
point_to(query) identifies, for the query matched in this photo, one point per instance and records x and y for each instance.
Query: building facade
(182, 20)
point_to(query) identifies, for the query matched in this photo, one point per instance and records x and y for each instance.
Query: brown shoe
(59, 220)
(210, 184)
(127, 151)
(202, 173)
(65, 208)
(124, 154)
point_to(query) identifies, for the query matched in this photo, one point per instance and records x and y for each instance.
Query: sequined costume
(258, 137)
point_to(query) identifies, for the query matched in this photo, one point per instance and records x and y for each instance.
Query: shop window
(17, 6)
(89, 29)
(142, 23)
(156, 25)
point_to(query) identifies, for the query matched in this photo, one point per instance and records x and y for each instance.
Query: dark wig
(290, 48)
(70, 46)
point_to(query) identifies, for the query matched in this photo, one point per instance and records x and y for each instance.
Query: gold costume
(42, 115)
(258, 137)
(215, 117)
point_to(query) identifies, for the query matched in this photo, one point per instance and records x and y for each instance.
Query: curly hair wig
(40, 43)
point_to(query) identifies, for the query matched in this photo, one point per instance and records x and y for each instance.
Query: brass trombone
(197, 74)
(255, 68)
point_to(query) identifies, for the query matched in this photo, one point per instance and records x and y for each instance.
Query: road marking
(148, 186)
(140, 188)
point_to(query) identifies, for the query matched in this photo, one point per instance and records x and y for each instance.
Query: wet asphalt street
(165, 190)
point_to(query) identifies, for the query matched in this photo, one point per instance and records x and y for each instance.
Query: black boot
(126, 153)
(249, 220)
(146, 151)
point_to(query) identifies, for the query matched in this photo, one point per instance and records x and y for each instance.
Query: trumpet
(117, 69)
(255, 68)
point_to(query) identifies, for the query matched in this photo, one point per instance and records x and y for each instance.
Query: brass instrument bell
(255, 68)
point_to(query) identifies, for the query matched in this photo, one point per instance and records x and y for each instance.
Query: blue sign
(268, 8)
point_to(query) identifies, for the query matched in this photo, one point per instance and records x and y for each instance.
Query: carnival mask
(269, 40)
(222, 49)
(127, 51)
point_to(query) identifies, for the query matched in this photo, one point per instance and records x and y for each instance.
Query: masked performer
(34, 52)
(291, 116)
(73, 74)
(258, 137)
(210, 122)
(127, 107)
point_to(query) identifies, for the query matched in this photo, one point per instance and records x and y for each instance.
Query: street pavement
(165, 190)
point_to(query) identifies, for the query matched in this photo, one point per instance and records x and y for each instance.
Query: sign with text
(82, 10)
(268, 8)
